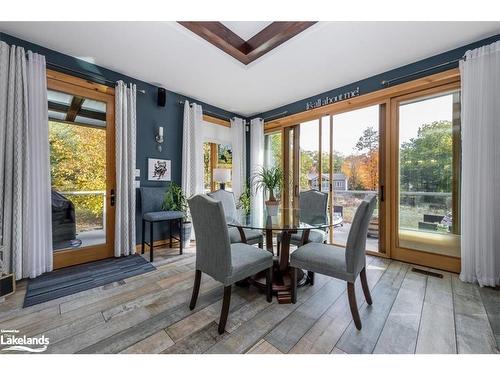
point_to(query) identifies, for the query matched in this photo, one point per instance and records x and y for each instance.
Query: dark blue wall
(149, 115)
(374, 83)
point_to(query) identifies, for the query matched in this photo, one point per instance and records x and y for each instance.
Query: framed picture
(159, 170)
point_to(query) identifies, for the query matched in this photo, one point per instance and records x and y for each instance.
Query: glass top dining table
(286, 219)
(287, 222)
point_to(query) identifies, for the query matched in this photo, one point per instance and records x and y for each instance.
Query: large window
(77, 136)
(429, 164)
(356, 143)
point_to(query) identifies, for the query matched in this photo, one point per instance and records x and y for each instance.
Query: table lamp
(222, 175)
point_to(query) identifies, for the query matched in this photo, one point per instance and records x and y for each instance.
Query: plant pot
(186, 234)
(272, 207)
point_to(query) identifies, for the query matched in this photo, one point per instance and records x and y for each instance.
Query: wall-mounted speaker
(7, 285)
(162, 97)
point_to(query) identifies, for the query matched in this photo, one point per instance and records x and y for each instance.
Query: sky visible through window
(348, 127)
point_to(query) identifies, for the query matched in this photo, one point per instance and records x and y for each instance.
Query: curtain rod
(88, 76)
(418, 72)
(276, 115)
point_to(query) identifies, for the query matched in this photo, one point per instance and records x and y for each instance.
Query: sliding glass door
(427, 178)
(356, 170)
(337, 154)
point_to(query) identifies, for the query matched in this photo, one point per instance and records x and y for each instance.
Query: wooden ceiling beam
(246, 51)
(272, 36)
(74, 108)
(63, 108)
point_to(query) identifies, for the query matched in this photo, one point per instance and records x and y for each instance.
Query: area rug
(71, 280)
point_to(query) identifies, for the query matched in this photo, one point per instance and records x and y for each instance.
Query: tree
(368, 145)
(426, 161)
(78, 163)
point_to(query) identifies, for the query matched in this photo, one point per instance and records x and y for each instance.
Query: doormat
(71, 280)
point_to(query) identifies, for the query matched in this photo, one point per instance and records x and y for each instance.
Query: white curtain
(256, 163)
(192, 151)
(480, 191)
(238, 135)
(25, 191)
(125, 144)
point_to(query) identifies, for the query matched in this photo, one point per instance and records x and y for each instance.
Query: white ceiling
(325, 56)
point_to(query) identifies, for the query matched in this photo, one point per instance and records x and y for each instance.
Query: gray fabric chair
(151, 203)
(217, 257)
(316, 212)
(342, 263)
(229, 204)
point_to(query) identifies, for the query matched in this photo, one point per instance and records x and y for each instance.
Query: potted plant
(175, 200)
(269, 180)
(244, 200)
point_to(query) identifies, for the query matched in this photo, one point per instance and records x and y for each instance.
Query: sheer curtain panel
(480, 197)
(25, 189)
(238, 132)
(125, 145)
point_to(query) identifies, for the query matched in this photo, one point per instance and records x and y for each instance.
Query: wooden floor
(411, 313)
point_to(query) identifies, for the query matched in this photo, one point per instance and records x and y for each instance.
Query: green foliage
(269, 179)
(368, 141)
(78, 163)
(426, 161)
(174, 199)
(244, 200)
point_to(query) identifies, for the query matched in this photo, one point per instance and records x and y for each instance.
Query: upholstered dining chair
(342, 263)
(216, 256)
(313, 206)
(231, 213)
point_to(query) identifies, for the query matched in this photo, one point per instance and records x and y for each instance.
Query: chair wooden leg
(170, 233)
(196, 289)
(143, 235)
(366, 289)
(269, 284)
(181, 239)
(353, 305)
(310, 276)
(278, 248)
(293, 274)
(225, 309)
(151, 241)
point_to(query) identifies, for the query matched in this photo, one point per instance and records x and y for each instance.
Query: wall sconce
(159, 138)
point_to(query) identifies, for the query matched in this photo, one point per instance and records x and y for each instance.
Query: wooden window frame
(77, 86)
(422, 257)
(388, 172)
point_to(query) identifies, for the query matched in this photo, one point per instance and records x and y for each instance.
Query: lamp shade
(222, 175)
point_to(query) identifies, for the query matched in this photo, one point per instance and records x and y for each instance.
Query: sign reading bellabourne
(330, 100)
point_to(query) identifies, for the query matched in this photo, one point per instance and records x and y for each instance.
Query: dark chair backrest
(152, 199)
(338, 210)
(313, 206)
(356, 240)
(213, 248)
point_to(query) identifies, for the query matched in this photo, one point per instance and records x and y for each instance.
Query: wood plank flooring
(411, 313)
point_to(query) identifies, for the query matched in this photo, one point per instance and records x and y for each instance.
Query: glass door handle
(112, 197)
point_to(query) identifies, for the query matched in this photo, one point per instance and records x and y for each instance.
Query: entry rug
(71, 280)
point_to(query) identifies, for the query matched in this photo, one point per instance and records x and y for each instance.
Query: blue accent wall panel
(149, 117)
(374, 83)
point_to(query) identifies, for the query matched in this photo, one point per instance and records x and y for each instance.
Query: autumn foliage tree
(362, 167)
(78, 163)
